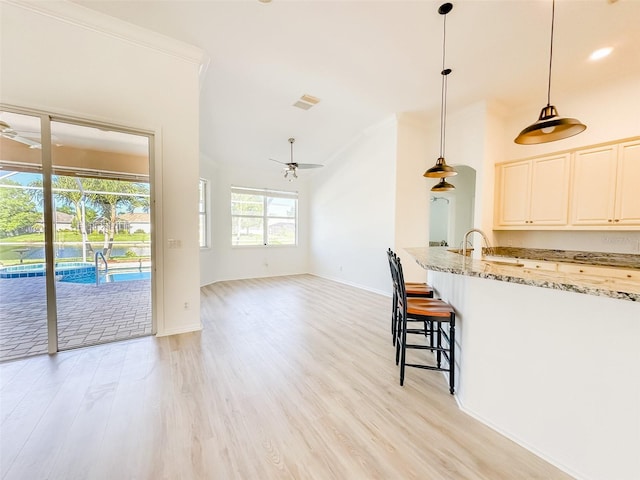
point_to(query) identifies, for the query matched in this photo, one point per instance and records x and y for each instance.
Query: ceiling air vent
(306, 102)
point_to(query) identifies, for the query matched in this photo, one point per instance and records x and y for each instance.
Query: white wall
(611, 112)
(222, 261)
(589, 241)
(466, 145)
(64, 59)
(411, 194)
(352, 211)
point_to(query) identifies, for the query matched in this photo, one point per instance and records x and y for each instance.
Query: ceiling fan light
(549, 127)
(440, 170)
(442, 186)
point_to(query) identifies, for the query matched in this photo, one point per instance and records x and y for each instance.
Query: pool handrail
(106, 266)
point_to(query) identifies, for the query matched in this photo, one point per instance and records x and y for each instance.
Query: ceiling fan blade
(18, 138)
(308, 165)
(278, 161)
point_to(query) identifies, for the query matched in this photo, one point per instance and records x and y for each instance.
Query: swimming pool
(129, 275)
(38, 269)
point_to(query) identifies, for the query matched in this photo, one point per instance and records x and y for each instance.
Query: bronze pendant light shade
(443, 186)
(550, 126)
(441, 169)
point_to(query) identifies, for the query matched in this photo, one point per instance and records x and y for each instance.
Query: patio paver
(87, 314)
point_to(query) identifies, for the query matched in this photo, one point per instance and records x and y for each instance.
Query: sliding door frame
(47, 190)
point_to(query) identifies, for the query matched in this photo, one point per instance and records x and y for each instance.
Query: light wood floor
(292, 378)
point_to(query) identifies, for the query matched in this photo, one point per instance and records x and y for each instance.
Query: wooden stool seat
(418, 290)
(432, 308)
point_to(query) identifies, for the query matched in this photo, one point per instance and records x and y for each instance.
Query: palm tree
(112, 197)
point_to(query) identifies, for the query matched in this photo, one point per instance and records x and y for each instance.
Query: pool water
(110, 277)
(38, 270)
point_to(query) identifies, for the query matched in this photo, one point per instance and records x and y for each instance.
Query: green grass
(68, 236)
(9, 255)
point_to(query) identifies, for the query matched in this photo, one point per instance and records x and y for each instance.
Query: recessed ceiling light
(264, 1)
(601, 53)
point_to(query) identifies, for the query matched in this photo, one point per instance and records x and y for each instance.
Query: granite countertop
(440, 259)
(621, 260)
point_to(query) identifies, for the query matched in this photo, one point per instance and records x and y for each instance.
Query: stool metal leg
(404, 349)
(452, 354)
(439, 345)
(394, 316)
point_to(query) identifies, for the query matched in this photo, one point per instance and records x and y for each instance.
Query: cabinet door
(513, 193)
(627, 211)
(594, 184)
(550, 191)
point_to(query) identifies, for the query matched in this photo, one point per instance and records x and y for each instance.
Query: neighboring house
(62, 221)
(101, 225)
(136, 221)
(126, 222)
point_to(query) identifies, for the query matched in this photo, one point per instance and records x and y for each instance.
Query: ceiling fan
(7, 132)
(291, 169)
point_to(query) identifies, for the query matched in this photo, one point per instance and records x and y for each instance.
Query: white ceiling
(367, 60)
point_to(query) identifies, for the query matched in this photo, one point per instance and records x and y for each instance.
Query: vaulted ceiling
(367, 60)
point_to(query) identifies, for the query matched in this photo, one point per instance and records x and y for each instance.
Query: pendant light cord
(443, 99)
(553, 16)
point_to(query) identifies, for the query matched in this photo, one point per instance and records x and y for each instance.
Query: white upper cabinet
(533, 192)
(513, 193)
(593, 188)
(594, 185)
(627, 209)
(606, 186)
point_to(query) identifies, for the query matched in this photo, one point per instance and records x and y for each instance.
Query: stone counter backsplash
(618, 260)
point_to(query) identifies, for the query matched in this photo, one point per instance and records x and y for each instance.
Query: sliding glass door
(23, 290)
(87, 192)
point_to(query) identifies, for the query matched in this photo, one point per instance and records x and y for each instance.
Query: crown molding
(86, 18)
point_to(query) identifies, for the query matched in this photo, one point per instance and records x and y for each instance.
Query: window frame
(266, 194)
(203, 214)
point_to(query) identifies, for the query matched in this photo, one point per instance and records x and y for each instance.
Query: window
(263, 217)
(203, 213)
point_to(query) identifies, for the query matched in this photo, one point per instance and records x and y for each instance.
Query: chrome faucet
(482, 234)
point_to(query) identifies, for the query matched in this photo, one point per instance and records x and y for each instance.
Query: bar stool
(434, 315)
(413, 289)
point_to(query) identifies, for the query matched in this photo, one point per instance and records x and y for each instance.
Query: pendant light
(442, 186)
(550, 126)
(441, 169)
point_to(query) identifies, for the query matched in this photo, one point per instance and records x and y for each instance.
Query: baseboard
(352, 284)
(520, 442)
(178, 331)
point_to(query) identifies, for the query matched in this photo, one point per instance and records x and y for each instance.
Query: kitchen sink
(512, 262)
(459, 251)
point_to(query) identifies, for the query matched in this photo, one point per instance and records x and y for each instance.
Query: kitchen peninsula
(549, 355)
